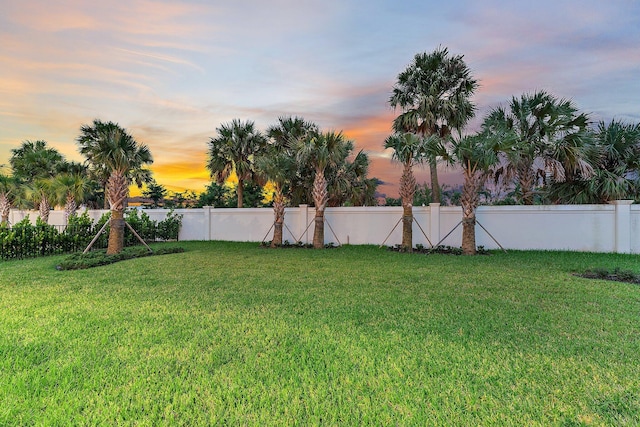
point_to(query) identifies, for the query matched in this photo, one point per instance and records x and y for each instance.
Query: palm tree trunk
(118, 190)
(407, 228)
(318, 230)
(407, 191)
(469, 202)
(5, 209)
(70, 207)
(526, 179)
(44, 209)
(320, 197)
(278, 213)
(240, 191)
(105, 203)
(435, 185)
(116, 232)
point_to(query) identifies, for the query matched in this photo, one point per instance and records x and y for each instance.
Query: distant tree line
(537, 149)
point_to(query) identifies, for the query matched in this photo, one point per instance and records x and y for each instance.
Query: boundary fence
(591, 228)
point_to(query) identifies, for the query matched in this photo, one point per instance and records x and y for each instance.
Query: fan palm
(349, 183)
(278, 164)
(41, 194)
(433, 93)
(70, 190)
(320, 151)
(89, 134)
(233, 150)
(111, 148)
(410, 150)
(476, 155)
(34, 160)
(545, 139)
(617, 171)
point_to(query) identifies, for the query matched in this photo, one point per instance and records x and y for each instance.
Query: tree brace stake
(494, 239)
(391, 232)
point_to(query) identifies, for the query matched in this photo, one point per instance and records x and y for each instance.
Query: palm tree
(233, 150)
(617, 168)
(70, 190)
(476, 155)
(278, 164)
(349, 183)
(34, 160)
(618, 172)
(112, 148)
(73, 168)
(42, 194)
(545, 139)
(278, 167)
(7, 191)
(320, 151)
(410, 150)
(99, 172)
(433, 93)
(89, 134)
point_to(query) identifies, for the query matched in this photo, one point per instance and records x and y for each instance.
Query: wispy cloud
(164, 58)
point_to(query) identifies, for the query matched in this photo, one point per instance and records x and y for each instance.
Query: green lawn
(234, 334)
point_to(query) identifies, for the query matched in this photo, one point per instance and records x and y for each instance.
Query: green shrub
(81, 261)
(169, 228)
(26, 240)
(144, 226)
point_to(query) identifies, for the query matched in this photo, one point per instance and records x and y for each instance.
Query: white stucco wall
(592, 228)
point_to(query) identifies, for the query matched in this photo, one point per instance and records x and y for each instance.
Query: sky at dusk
(171, 72)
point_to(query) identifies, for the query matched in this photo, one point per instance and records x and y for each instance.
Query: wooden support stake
(96, 236)
(391, 232)
(136, 234)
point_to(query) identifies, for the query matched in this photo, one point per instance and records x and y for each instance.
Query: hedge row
(25, 240)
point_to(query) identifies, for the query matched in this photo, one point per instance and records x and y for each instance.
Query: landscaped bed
(231, 333)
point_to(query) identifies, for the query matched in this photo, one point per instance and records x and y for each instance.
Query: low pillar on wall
(304, 222)
(434, 222)
(623, 226)
(207, 222)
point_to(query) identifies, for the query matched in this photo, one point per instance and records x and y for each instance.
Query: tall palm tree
(87, 140)
(320, 151)
(34, 160)
(277, 167)
(410, 150)
(70, 190)
(545, 139)
(99, 172)
(278, 164)
(233, 150)
(476, 155)
(347, 181)
(113, 149)
(434, 93)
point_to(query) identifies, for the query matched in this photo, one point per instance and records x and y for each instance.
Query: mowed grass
(234, 334)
